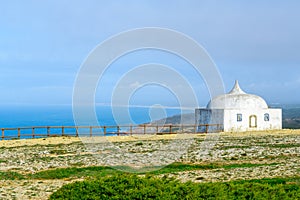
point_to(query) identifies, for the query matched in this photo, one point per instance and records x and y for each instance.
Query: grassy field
(35, 168)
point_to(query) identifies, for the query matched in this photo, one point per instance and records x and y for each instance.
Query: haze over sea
(26, 116)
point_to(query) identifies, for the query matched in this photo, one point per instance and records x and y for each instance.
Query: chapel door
(253, 121)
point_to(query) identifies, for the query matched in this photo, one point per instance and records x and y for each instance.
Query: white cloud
(135, 84)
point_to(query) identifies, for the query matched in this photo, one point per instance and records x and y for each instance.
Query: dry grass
(258, 154)
(68, 140)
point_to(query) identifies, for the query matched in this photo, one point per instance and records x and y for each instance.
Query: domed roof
(237, 99)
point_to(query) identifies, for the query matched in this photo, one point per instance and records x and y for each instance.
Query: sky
(44, 43)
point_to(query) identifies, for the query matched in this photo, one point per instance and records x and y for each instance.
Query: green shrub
(127, 186)
(11, 175)
(122, 187)
(73, 172)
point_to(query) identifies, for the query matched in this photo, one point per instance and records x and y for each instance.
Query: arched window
(253, 121)
(267, 117)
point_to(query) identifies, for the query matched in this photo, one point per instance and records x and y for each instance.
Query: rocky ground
(264, 154)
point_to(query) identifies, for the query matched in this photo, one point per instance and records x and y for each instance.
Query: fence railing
(90, 131)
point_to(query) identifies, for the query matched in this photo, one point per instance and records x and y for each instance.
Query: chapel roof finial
(236, 89)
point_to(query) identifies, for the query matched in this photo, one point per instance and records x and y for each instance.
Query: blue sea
(28, 116)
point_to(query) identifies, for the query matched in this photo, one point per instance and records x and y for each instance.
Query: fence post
(62, 131)
(91, 131)
(76, 128)
(3, 134)
(130, 129)
(118, 130)
(170, 129)
(104, 130)
(19, 133)
(144, 129)
(48, 131)
(32, 132)
(206, 128)
(156, 128)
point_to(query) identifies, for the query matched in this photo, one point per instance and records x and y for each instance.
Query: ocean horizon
(34, 116)
(13, 116)
(62, 115)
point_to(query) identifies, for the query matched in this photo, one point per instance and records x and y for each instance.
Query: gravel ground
(277, 151)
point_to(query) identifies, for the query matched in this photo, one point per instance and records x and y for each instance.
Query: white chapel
(238, 111)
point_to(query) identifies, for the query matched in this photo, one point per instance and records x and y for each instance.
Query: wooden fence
(90, 131)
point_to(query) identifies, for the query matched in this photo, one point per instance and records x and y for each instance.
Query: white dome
(237, 99)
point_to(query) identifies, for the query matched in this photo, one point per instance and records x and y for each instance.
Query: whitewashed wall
(228, 119)
(231, 123)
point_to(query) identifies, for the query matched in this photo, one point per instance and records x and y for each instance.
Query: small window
(239, 117)
(267, 117)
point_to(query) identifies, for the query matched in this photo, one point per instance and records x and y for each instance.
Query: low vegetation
(100, 171)
(34, 169)
(10, 175)
(133, 187)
